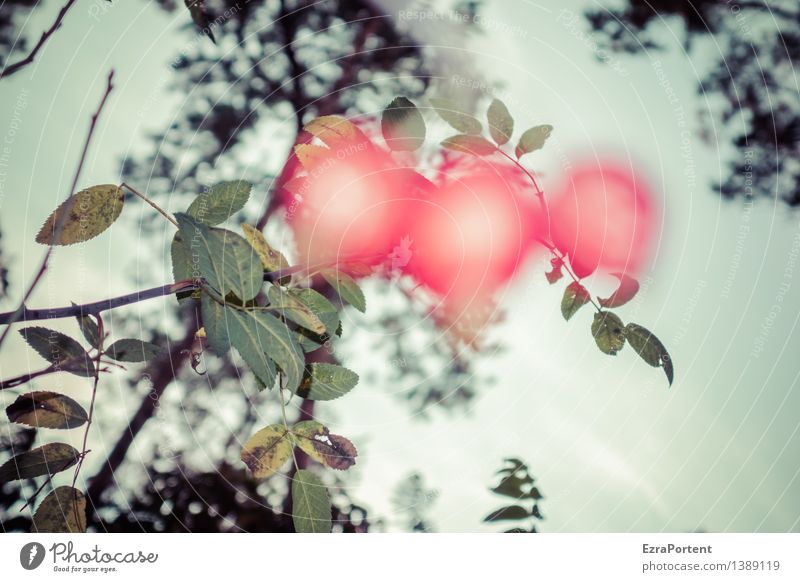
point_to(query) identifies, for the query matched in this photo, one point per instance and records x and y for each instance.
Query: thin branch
(90, 416)
(547, 242)
(59, 226)
(11, 69)
(151, 203)
(95, 308)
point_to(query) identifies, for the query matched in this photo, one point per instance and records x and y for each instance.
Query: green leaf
(267, 450)
(294, 309)
(458, 120)
(46, 410)
(628, 287)
(609, 332)
(215, 324)
(511, 512)
(89, 329)
(225, 259)
(501, 124)
(324, 309)
(260, 338)
(473, 145)
(62, 511)
(133, 350)
(575, 297)
(533, 140)
(83, 216)
(220, 202)
(183, 266)
(650, 348)
(311, 505)
(60, 350)
(48, 459)
(271, 259)
(326, 382)
(402, 126)
(332, 450)
(346, 288)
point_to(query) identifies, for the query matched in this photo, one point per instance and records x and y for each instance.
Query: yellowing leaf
(271, 259)
(334, 130)
(82, 216)
(293, 309)
(267, 451)
(311, 505)
(62, 511)
(46, 410)
(48, 459)
(312, 156)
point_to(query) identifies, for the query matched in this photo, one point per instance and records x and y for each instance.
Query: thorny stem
(150, 202)
(547, 242)
(26, 314)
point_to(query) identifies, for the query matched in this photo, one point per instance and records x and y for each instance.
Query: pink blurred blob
(604, 218)
(471, 236)
(353, 206)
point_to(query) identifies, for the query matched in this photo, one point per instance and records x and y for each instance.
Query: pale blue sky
(612, 447)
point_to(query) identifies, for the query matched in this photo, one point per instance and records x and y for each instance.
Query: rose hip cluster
(467, 236)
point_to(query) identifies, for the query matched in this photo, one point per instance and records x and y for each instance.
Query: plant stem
(150, 202)
(101, 336)
(13, 68)
(547, 242)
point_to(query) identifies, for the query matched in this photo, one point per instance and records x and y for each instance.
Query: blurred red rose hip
(471, 236)
(604, 218)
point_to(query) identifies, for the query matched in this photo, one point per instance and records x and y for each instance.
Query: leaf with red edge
(628, 287)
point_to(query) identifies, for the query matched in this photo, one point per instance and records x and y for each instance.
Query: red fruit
(471, 237)
(603, 218)
(352, 206)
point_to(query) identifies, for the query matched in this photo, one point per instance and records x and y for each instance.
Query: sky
(612, 447)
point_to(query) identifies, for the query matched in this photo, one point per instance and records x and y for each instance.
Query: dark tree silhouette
(753, 74)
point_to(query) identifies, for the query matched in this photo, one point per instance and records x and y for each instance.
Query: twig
(151, 203)
(11, 69)
(90, 416)
(546, 241)
(19, 312)
(25, 314)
